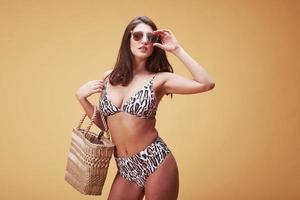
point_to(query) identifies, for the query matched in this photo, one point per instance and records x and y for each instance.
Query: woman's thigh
(125, 190)
(163, 184)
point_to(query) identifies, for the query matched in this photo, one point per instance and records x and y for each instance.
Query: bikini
(142, 104)
(140, 166)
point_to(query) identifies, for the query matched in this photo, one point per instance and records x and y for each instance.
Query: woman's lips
(143, 48)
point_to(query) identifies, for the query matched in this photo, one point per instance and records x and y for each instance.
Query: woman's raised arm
(177, 84)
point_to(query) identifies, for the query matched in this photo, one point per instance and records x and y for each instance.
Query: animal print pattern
(142, 104)
(138, 167)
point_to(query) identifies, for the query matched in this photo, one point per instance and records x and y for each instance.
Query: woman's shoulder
(106, 73)
(164, 73)
(163, 76)
(160, 78)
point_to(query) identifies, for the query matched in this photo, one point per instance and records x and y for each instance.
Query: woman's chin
(142, 56)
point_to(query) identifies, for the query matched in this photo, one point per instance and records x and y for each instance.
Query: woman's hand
(169, 42)
(89, 88)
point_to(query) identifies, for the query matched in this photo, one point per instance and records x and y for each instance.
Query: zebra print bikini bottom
(138, 167)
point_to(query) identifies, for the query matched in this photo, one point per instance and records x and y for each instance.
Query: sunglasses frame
(147, 34)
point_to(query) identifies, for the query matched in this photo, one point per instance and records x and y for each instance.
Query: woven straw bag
(89, 157)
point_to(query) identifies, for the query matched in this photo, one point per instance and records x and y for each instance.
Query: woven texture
(89, 157)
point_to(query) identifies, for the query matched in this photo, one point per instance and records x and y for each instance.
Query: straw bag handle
(105, 125)
(92, 121)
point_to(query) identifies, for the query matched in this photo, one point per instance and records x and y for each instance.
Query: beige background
(238, 141)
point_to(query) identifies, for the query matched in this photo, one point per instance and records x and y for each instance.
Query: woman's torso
(131, 113)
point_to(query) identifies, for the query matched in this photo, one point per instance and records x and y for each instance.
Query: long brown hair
(123, 69)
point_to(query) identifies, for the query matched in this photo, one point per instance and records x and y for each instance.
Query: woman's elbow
(210, 85)
(206, 86)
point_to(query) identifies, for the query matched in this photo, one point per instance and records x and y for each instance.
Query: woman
(130, 94)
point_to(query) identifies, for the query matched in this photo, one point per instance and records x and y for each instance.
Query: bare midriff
(131, 134)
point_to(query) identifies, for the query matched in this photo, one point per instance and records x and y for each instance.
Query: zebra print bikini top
(142, 104)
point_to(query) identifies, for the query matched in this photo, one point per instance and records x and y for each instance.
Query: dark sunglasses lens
(152, 37)
(137, 35)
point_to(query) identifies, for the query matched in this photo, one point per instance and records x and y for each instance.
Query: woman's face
(143, 48)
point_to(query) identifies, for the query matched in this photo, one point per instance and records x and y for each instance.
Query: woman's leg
(125, 190)
(163, 184)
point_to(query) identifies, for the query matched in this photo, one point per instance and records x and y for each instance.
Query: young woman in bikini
(129, 97)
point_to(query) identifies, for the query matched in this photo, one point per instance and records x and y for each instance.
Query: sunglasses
(138, 35)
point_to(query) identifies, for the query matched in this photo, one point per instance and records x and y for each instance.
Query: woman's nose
(145, 39)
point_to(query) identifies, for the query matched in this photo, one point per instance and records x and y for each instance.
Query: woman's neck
(139, 67)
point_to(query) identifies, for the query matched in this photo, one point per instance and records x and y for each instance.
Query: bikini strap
(153, 77)
(106, 80)
(106, 77)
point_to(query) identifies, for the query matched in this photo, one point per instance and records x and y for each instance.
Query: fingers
(93, 86)
(96, 90)
(158, 45)
(97, 85)
(163, 32)
(96, 81)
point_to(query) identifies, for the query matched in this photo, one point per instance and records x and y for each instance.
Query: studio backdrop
(239, 141)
